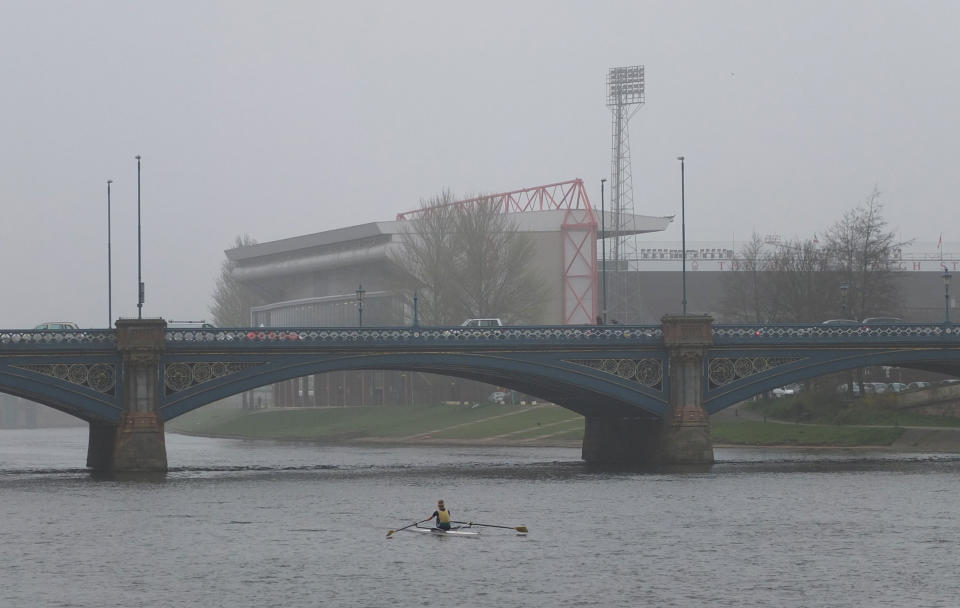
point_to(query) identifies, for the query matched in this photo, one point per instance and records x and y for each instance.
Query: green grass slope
(755, 432)
(543, 423)
(493, 424)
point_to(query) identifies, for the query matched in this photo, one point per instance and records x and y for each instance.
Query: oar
(521, 529)
(403, 528)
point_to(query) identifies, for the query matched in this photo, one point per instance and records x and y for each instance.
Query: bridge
(645, 391)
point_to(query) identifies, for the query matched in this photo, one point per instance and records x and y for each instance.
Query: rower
(442, 515)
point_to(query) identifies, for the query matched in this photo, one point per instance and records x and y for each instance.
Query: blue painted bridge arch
(747, 360)
(588, 370)
(75, 372)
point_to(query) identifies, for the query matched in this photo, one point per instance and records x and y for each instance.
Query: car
(58, 326)
(783, 391)
(189, 325)
(842, 388)
(897, 387)
(59, 331)
(841, 322)
(871, 321)
(497, 397)
(915, 386)
(482, 323)
(949, 381)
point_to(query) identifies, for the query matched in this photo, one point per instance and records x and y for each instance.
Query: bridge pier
(683, 437)
(136, 444)
(686, 431)
(100, 446)
(621, 441)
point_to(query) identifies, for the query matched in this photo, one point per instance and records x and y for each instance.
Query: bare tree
(799, 289)
(232, 300)
(428, 242)
(799, 281)
(861, 251)
(470, 261)
(744, 288)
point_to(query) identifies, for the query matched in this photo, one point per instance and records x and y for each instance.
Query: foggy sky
(284, 118)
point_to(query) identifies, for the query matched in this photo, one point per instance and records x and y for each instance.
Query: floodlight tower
(625, 95)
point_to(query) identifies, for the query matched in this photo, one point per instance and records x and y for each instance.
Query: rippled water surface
(261, 524)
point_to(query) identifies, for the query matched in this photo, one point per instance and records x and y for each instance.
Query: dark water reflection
(240, 523)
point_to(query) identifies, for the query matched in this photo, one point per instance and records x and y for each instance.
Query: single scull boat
(463, 531)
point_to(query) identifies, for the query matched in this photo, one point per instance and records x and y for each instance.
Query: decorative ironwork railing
(935, 333)
(75, 339)
(593, 334)
(853, 332)
(646, 334)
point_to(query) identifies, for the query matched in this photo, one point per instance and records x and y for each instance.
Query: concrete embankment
(928, 439)
(938, 401)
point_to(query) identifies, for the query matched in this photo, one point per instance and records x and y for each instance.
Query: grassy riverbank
(780, 422)
(492, 424)
(772, 433)
(820, 408)
(811, 419)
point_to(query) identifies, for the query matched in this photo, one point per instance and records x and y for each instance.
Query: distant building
(656, 278)
(314, 279)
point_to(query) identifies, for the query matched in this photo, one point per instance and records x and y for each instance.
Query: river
(258, 524)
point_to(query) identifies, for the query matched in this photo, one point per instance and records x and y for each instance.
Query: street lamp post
(946, 295)
(363, 378)
(603, 255)
(416, 314)
(140, 290)
(109, 263)
(360, 293)
(683, 232)
(844, 288)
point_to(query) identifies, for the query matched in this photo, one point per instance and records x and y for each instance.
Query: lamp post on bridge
(140, 289)
(360, 293)
(109, 263)
(946, 295)
(603, 255)
(683, 231)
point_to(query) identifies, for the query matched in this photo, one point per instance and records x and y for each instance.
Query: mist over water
(245, 523)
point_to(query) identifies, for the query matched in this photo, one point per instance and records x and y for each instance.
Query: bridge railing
(86, 339)
(345, 336)
(81, 339)
(824, 333)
